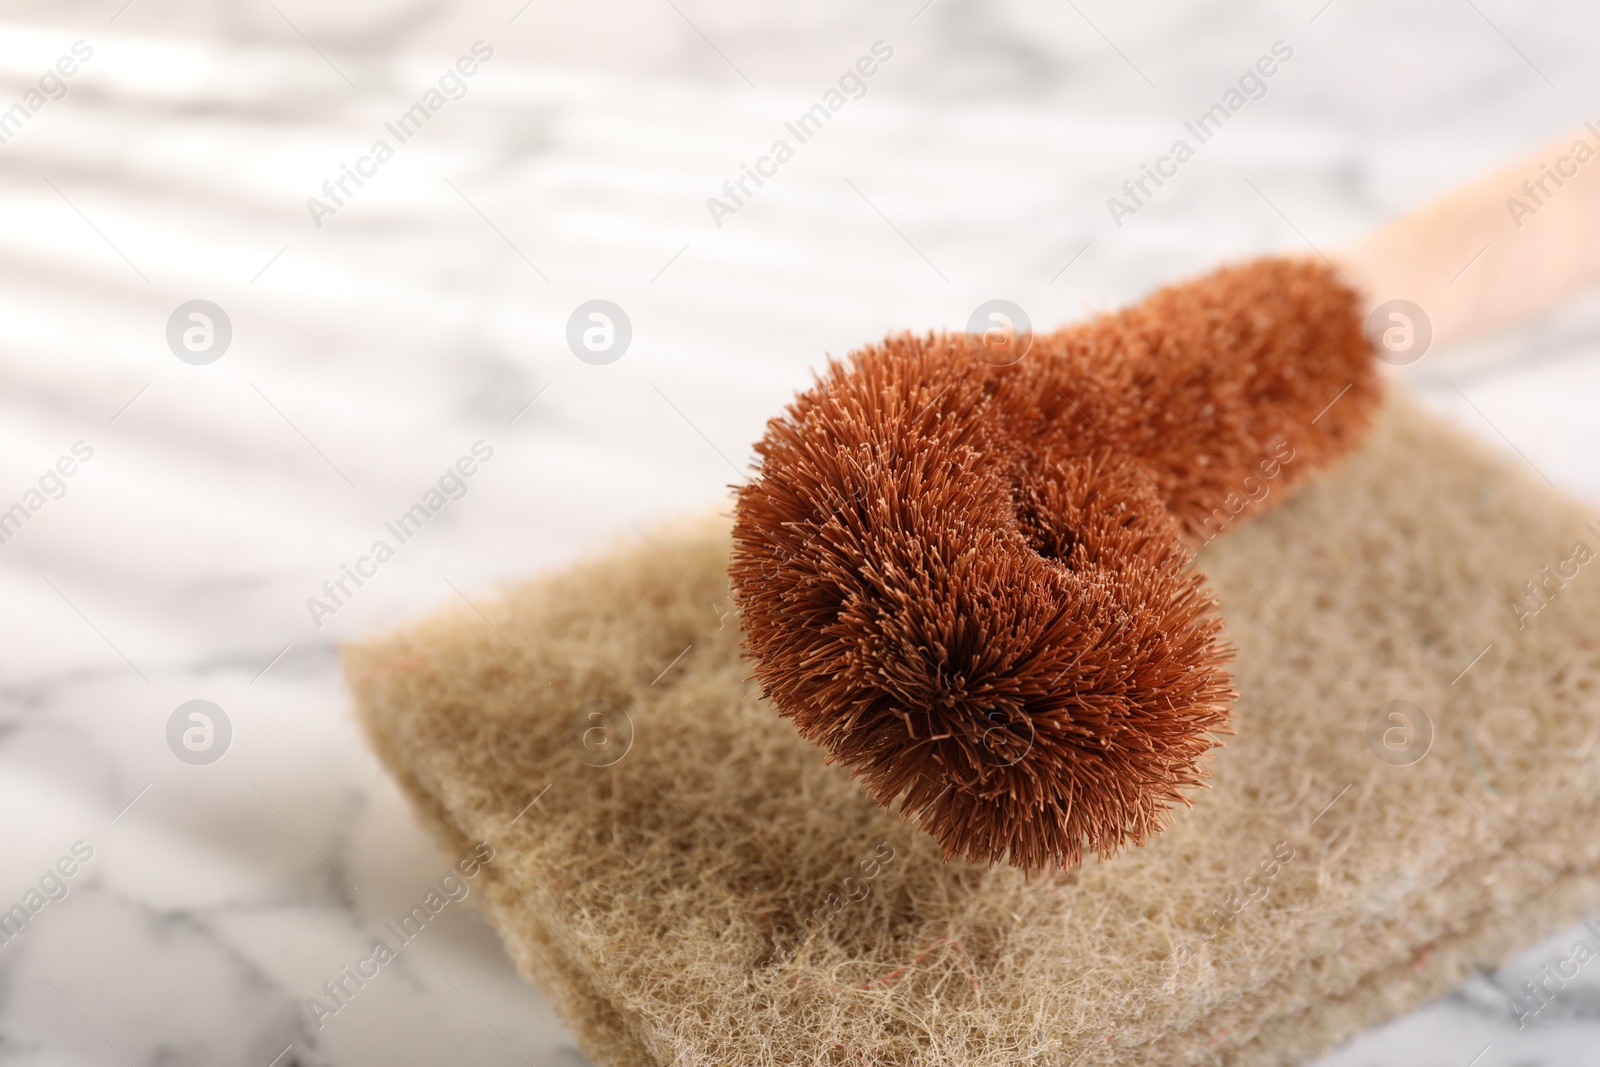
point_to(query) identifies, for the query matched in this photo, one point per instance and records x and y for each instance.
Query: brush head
(971, 583)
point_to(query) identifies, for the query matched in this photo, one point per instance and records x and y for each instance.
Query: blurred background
(353, 343)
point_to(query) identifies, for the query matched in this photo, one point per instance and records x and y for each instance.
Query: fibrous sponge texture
(722, 897)
(970, 583)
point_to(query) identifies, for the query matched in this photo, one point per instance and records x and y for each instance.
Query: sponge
(1408, 797)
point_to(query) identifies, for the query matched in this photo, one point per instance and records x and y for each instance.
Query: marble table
(199, 878)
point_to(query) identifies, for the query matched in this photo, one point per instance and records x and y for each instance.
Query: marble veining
(429, 313)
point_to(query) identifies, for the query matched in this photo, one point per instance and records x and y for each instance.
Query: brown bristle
(970, 583)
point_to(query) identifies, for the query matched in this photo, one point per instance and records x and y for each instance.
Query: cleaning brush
(971, 583)
(968, 576)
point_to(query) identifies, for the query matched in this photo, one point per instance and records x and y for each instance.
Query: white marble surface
(371, 352)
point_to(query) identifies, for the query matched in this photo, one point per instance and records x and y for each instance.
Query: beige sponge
(691, 884)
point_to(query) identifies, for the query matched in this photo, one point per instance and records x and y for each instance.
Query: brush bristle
(970, 584)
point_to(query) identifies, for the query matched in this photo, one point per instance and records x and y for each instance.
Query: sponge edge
(719, 895)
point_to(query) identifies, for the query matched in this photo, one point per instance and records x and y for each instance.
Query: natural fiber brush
(971, 583)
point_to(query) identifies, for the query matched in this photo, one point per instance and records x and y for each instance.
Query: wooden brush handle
(1495, 251)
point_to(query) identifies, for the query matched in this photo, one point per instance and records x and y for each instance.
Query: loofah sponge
(692, 884)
